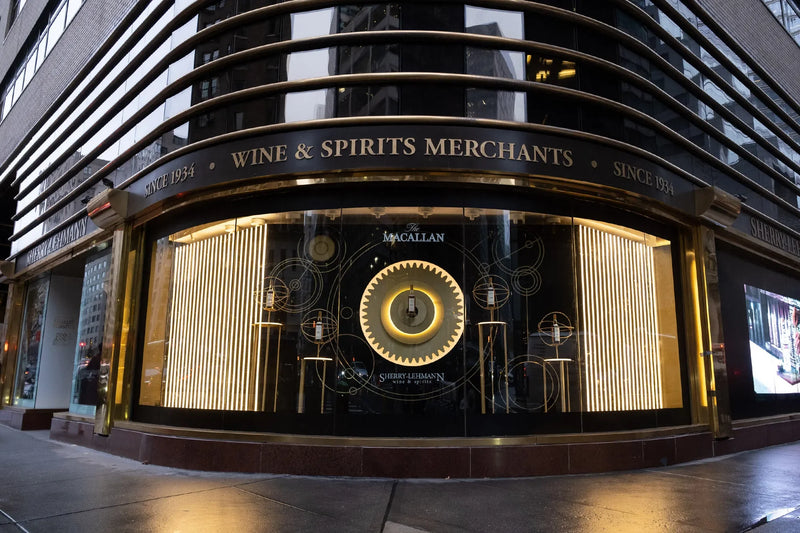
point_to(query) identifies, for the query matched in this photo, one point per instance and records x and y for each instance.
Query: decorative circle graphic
(321, 248)
(412, 313)
(526, 281)
(304, 281)
(532, 368)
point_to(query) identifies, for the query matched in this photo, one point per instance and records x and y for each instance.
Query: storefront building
(416, 238)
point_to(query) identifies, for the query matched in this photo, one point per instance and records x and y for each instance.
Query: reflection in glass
(307, 105)
(91, 324)
(488, 103)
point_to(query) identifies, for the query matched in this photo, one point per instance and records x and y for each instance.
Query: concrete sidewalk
(53, 487)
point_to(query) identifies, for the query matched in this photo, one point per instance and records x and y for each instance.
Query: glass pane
(56, 29)
(414, 321)
(308, 105)
(30, 343)
(366, 101)
(313, 23)
(156, 322)
(91, 323)
(311, 64)
(493, 22)
(502, 105)
(523, 315)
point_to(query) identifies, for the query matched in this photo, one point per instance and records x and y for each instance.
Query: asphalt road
(51, 487)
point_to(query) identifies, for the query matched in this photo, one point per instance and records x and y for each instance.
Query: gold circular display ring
(397, 331)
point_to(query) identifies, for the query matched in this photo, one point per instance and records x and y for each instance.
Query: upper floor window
(788, 13)
(32, 57)
(13, 11)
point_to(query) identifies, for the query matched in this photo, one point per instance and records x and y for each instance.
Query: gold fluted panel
(620, 323)
(209, 358)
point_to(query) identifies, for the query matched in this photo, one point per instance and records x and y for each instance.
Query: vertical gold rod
(658, 395)
(544, 384)
(587, 301)
(266, 362)
(605, 315)
(483, 370)
(594, 319)
(180, 322)
(234, 308)
(246, 326)
(301, 396)
(626, 326)
(169, 356)
(219, 283)
(584, 313)
(563, 387)
(644, 305)
(182, 325)
(169, 375)
(188, 371)
(235, 393)
(322, 388)
(588, 326)
(491, 362)
(616, 333)
(194, 349)
(277, 372)
(257, 402)
(231, 288)
(211, 343)
(255, 314)
(262, 276)
(646, 389)
(241, 260)
(191, 347)
(213, 305)
(505, 355)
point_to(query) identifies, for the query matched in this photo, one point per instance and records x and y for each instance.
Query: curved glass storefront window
(411, 321)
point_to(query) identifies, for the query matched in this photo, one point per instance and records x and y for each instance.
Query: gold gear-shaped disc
(421, 337)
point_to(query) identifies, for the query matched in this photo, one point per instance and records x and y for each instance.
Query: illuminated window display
(30, 342)
(449, 321)
(773, 324)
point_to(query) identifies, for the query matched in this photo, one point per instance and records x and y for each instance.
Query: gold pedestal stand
(556, 328)
(269, 326)
(493, 326)
(491, 293)
(318, 327)
(270, 298)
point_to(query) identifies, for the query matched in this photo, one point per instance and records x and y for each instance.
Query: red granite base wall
(26, 419)
(420, 461)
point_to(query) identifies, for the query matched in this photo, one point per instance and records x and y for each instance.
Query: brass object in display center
(412, 313)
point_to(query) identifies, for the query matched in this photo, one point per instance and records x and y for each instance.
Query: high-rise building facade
(501, 237)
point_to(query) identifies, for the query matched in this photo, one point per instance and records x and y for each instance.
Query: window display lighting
(209, 363)
(620, 340)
